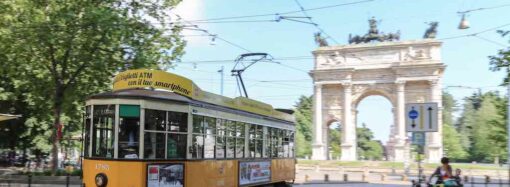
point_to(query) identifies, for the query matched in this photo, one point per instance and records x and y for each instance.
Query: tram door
(129, 131)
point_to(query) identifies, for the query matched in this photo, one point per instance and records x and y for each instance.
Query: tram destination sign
(421, 117)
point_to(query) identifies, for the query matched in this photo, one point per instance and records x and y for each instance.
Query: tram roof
(158, 84)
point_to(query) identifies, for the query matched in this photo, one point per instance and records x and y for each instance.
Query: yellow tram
(157, 129)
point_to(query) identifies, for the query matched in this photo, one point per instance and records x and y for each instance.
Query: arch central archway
(344, 75)
(375, 119)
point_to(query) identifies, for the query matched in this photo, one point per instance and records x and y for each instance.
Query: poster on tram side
(254, 172)
(165, 175)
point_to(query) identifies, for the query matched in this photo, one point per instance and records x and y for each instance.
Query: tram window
(220, 138)
(280, 143)
(240, 129)
(177, 122)
(197, 149)
(258, 152)
(239, 147)
(209, 146)
(220, 146)
(240, 139)
(230, 126)
(266, 141)
(88, 118)
(252, 131)
(286, 143)
(252, 144)
(103, 128)
(210, 137)
(260, 132)
(129, 131)
(231, 145)
(274, 142)
(210, 125)
(155, 120)
(198, 124)
(197, 140)
(154, 146)
(176, 145)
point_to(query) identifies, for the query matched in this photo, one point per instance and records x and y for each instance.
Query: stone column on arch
(318, 146)
(401, 135)
(349, 128)
(434, 145)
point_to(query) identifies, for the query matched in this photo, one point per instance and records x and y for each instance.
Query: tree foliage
(303, 115)
(451, 137)
(62, 51)
(367, 147)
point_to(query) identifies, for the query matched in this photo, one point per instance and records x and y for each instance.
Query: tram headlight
(101, 180)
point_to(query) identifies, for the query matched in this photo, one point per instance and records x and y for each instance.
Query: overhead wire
(483, 8)
(281, 13)
(215, 35)
(314, 23)
(475, 33)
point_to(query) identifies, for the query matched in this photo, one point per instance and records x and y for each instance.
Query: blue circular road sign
(413, 114)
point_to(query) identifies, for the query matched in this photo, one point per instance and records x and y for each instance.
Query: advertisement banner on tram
(165, 175)
(254, 172)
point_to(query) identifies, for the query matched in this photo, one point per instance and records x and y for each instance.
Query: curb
(330, 182)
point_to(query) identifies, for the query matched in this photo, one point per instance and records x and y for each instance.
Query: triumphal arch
(401, 71)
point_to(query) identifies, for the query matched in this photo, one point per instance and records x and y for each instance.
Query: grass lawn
(396, 165)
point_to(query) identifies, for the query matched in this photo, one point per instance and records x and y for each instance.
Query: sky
(281, 84)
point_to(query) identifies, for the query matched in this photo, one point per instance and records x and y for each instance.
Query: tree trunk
(56, 116)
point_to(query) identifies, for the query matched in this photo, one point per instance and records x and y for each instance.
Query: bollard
(363, 177)
(326, 178)
(500, 182)
(29, 180)
(307, 178)
(404, 177)
(472, 181)
(466, 179)
(346, 177)
(487, 179)
(383, 177)
(67, 180)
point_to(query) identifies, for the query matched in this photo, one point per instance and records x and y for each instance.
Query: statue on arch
(319, 40)
(431, 32)
(373, 34)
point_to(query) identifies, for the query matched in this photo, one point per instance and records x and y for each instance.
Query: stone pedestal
(348, 153)
(318, 152)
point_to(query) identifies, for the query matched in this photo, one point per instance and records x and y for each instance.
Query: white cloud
(192, 10)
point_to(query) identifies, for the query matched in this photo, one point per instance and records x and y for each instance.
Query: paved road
(381, 185)
(353, 185)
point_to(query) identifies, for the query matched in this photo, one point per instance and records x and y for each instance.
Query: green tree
(451, 138)
(501, 61)
(486, 145)
(63, 51)
(334, 140)
(466, 122)
(303, 115)
(368, 148)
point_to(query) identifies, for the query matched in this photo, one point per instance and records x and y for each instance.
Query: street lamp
(464, 24)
